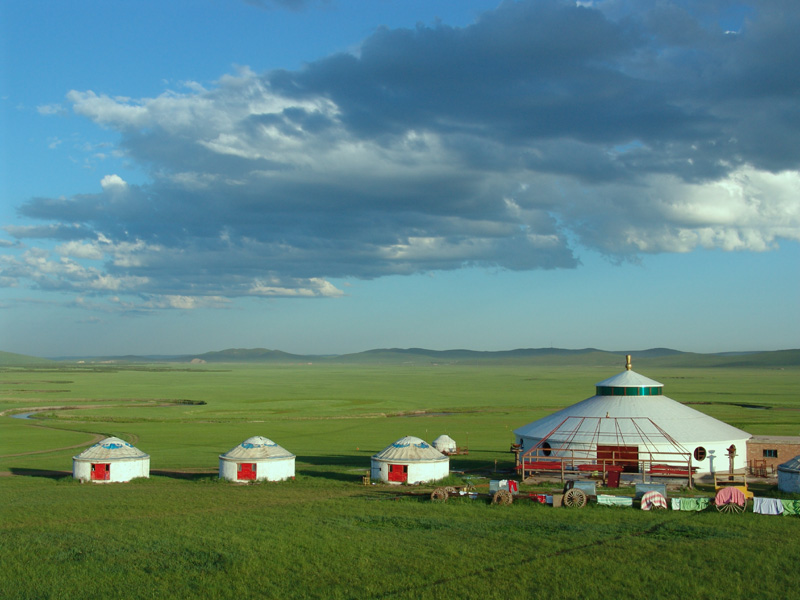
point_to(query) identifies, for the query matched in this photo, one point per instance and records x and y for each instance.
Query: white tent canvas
(256, 459)
(409, 460)
(445, 444)
(619, 413)
(111, 460)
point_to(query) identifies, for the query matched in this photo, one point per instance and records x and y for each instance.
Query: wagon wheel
(439, 495)
(450, 489)
(731, 507)
(575, 498)
(502, 497)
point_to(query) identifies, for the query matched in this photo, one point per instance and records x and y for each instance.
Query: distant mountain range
(654, 357)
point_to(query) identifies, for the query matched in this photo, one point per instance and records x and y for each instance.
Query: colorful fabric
(690, 504)
(730, 495)
(609, 500)
(767, 506)
(790, 507)
(653, 499)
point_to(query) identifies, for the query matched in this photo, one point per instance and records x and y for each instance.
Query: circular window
(546, 449)
(699, 453)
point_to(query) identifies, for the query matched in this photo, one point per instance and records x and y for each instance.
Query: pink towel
(653, 499)
(730, 495)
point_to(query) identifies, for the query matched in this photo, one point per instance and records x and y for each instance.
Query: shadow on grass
(349, 461)
(333, 475)
(40, 473)
(184, 475)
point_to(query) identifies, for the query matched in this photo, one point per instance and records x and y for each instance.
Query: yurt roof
(619, 398)
(257, 448)
(444, 440)
(629, 379)
(790, 466)
(410, 448)
(111, 448)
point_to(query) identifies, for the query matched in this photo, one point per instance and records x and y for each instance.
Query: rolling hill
(653, 357)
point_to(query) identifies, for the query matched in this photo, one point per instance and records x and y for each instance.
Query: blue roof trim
(250, 446)
(115, 446)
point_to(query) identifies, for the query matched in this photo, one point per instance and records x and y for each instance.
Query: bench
(540, 465)
(601, 468)
(670, 471)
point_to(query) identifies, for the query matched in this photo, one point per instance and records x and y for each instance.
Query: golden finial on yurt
(628, 362)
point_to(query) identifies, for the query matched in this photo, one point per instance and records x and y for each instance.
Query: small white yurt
(789, 476)
(409, 460)
(256, 459)
(445, 444)
(111, 460)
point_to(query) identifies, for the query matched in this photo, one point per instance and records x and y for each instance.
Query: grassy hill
(555, 357)
(9, 359)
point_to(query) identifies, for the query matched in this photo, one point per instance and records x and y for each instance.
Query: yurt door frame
(246, 471)
(101, 472)
(625, 456)
(398, 473)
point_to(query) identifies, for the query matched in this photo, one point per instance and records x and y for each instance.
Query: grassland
(183, 534)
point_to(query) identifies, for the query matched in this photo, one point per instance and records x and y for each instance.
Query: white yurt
(445, 444)
(111, 460)
(789, 476)
(629, 418)
(409, 460)
(256, 459)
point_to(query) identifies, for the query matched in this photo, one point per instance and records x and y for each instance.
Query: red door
(101, 472)
(398, 472)
(625, 456)
(246, 471)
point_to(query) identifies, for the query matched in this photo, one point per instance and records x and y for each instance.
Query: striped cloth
(653, 499)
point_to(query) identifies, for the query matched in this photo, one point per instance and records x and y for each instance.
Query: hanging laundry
(653, 499)
(767, 506)
(790, 507)
(690, 504)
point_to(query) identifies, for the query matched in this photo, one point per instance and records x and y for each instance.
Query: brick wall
(785, 449)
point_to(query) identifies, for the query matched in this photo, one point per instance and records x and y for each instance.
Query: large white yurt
(789, 476)
(111, 460)
(445, 444)
(631, 420)
(256, 459)
(409, 460)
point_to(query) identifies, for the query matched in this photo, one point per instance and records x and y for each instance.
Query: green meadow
(184, 534)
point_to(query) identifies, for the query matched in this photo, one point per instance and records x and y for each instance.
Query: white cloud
(498, 144)
(50, 109)
(90, 251)
(113, 182)
(314, 287)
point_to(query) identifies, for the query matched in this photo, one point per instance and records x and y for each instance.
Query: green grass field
(184, 534)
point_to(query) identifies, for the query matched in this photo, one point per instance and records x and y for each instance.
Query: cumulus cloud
(629, 127)
(113, 181)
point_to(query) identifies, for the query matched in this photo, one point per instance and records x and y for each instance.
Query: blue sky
(331, 176)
